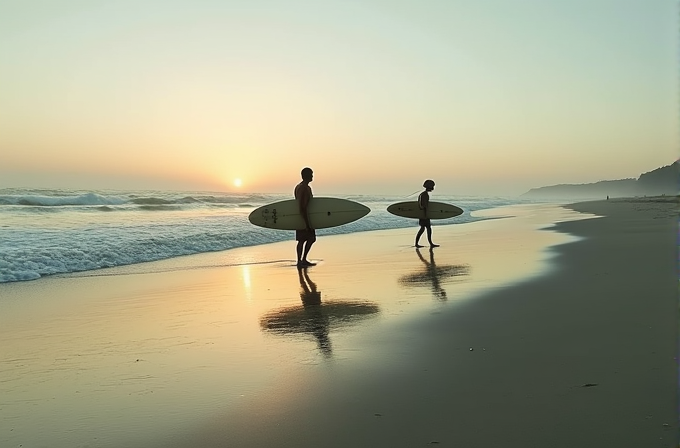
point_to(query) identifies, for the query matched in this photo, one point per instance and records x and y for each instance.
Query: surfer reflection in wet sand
(307, 236)
(311, 301)
(316, 318)
(431, 268)
(433, 275)
(425, 224)
(308, 319)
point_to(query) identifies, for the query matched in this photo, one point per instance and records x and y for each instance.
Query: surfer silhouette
(423, 203)
(307, 236)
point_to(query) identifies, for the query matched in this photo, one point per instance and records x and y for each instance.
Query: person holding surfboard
(307, 236)
(423, 202)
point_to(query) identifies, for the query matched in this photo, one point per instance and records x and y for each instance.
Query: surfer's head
(307, 174)
(429, 184)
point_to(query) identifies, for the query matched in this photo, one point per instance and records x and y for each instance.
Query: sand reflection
(433, 275)
(315, 317)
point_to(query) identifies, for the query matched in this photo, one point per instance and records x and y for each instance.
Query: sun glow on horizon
(238, 182)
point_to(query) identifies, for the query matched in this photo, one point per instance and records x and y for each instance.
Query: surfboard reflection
(315, 317)
(432, 275)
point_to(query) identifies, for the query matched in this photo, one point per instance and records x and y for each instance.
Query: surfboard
(323, 213)
(435, 210)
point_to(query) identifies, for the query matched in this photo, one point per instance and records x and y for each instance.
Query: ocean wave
(99, 251)
(229, 199)
(57, 198)
(151, 201)
(158, 208)
(56, 201)
(188, 200)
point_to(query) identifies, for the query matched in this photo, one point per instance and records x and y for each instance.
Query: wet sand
(490, 339)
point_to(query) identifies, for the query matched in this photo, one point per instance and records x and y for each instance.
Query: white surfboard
(323, 213)
(435, 210)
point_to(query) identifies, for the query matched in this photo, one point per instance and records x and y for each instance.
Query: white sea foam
(54, 201)
(147, 226)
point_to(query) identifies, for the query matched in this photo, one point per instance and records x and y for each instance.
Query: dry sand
(489, 340)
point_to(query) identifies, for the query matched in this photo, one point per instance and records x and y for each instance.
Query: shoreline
(181, 358)
(39, 245)
(187, 261)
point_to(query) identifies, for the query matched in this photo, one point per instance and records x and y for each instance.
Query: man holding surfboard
(423, 203)
(307, 236)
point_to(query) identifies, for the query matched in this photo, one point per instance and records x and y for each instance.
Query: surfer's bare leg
(420, 233)
(303, 247)
(305, 240)
(299, 249)
(429, 237)
(306, 251)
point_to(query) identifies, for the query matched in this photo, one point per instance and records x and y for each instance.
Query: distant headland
(661, 181)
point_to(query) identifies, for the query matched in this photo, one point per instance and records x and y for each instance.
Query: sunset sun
(237, 182)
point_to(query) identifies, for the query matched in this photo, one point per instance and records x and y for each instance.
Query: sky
(483, 96)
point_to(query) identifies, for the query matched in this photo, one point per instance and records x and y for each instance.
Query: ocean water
(47, 232)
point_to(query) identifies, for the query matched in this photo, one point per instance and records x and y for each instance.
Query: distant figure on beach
(423, 203)
(307, 236)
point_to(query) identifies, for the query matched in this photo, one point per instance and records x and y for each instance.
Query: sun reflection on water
(245, 274)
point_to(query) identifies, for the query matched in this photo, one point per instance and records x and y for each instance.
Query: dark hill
(664, 180)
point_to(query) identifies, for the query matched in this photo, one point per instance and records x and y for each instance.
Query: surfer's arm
(304, 202)
(306, 218)
(424, 201)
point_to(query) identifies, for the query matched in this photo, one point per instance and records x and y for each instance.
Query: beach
(547, 326)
